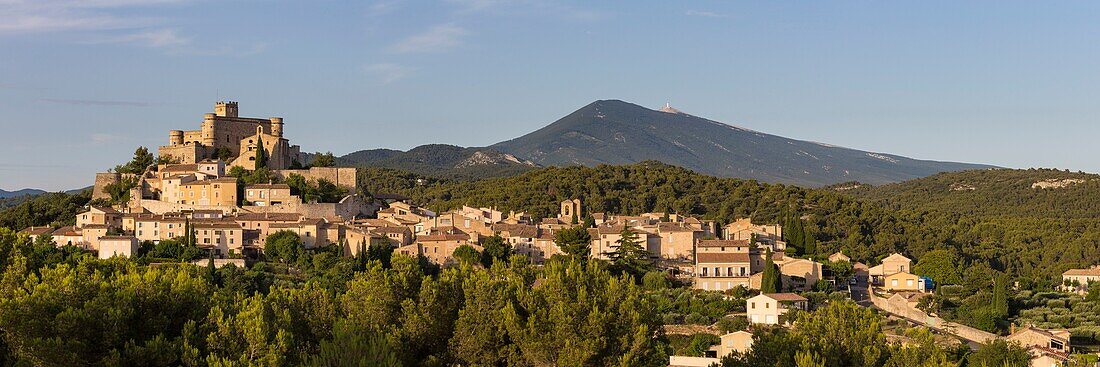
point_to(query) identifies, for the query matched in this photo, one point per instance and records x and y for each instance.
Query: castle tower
(277, 126)
(175, 137)
(225, 109)
(208, 129)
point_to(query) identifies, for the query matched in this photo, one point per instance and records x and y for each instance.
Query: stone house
(122, 246)
(772, 308)
(893, 264)
(1077, 280)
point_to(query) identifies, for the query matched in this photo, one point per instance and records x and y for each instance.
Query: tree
(843, 334)
(771, 281)
(999, 305)
(589, 221)
(494, 250)
(142, 160)
(574, 241)
(349, 349)
(284, 246)
(381, 252)
(999, 353)
(211, 270)
(940, 265)
(1094, 292)
(466, 254)
(324, 160)
(630, 257)
(261, 154)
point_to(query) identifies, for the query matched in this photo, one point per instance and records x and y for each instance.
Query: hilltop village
(234, 183)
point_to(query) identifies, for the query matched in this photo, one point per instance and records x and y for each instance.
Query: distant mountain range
(617, 132)
(441, 160)
(11, 194)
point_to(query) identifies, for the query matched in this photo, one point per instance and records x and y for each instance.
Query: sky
(84, 82)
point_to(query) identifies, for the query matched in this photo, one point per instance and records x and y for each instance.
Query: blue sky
(82, 83)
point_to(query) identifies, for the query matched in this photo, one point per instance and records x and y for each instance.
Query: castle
(227, 136)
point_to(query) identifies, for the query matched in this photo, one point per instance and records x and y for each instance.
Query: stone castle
(224, 134)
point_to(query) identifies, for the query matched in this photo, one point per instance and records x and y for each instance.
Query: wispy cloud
(100, 138)
(705, 14)
(41, 16)
(156, 38)
(387, 73)
(382, 7)
(439, 38)
(90, 102)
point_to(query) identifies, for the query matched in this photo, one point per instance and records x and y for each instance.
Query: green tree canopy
(284, 246)
(574, 241)
(940, 265)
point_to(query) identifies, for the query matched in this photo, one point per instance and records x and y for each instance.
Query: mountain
(10, 194)
(441, 160)
(617, 132)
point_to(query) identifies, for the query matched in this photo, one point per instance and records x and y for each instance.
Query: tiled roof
(35, 231)
(390, 230)
(785, 297)
(723, 243)
(282, 217)
(105, 209)
(722, 257)
(1082, 272)
(268, 186)
(442, 237)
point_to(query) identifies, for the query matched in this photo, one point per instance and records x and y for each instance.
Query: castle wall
(229, 131)
(101, 181)
(160, 207)
(341, 176)
(186, 154)
(193, 137)
(351, 207)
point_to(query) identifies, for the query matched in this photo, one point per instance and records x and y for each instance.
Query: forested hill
(442, 161)
(1045, 193)
(1034, 244)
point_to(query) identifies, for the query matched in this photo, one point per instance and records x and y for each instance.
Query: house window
(894, 282)
(704, 271)
(909, 282)
(753, 305)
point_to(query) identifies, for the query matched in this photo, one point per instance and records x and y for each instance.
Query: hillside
(867, 223)
(441, 161)
(617, 132)
(10, 194)
(1038, 193)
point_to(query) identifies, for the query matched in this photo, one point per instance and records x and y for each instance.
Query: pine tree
(630, 256)
(770, 282)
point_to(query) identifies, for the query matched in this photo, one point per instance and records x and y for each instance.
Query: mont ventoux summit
(617, 132)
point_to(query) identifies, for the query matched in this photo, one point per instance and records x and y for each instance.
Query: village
(190, 191)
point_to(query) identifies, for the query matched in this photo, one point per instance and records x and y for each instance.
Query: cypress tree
(770, 282)
(261, 155)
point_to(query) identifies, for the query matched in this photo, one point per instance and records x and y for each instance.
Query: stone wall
(341, 176)
(161, 207)
(352, 206)
(101, 181)
(240, 263)
(899, 307)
